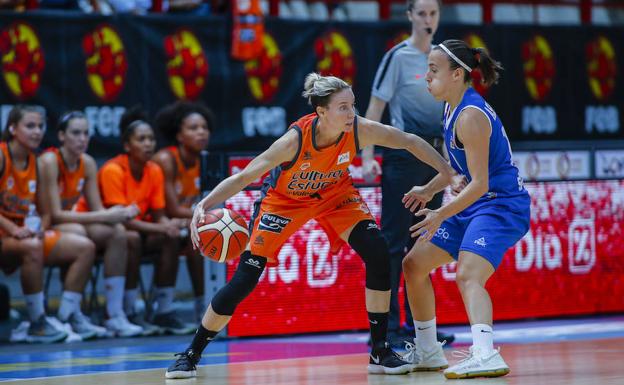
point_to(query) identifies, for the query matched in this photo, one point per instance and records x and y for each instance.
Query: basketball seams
(233, 221)
(237, 227)
(226, 245)
(224, 224)
(209, 226)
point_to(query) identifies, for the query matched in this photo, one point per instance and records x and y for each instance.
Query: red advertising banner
(570, 262)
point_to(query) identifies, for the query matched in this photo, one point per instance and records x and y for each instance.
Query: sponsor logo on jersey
(344, 158)
(480, 242)
(309, 181)
(259, 240)
(273, 223)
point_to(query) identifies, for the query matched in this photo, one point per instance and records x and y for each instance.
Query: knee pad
(367, 241)
(243, 282)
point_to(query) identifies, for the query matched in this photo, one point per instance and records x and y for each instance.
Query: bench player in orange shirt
(133, 179)
(310, 180)
(30, 247)
(187, 126)
(68, 172)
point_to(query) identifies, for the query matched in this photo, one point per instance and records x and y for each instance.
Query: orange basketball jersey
(17, 187)
(315, 185)
(186, 180)
(70, 183)
(118, 186)
(315, 174)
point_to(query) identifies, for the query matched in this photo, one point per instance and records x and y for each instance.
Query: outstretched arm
(374, 133)
(370, 166)
(282, 150)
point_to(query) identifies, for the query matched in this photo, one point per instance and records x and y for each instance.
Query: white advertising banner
(553, 165)
(609, 163)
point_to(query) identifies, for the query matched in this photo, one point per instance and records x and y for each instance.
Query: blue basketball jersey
(504, 179)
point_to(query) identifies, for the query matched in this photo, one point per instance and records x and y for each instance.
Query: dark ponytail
(490, 68)
(473, 58)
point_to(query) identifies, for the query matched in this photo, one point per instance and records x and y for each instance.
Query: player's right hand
(370, 170)
(416, 198)
(199, 217)
(120, 214)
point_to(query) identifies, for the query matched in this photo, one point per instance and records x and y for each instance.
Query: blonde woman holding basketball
(309, 179)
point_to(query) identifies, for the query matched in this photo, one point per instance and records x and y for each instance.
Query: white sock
(164, 298)
(70, 303)
(426, 334)
(34, 304)
(130, 297)
(114, 295)
(483, 337)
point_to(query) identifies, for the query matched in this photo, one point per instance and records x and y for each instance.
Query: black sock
(378, 323)
(201, 339)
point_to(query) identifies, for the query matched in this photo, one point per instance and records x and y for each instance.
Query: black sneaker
(397, 338)
(184, 367)
(170, 323)
(446, 338)
(385, 361)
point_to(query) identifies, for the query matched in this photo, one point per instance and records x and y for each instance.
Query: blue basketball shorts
(488, 233)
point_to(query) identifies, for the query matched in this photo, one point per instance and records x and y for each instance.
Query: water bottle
(32, 219)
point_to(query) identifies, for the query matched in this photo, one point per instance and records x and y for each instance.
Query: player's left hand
(199, 216)
(426, 228)
(416, 198)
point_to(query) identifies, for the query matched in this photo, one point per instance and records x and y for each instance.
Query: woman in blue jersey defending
(476, 228)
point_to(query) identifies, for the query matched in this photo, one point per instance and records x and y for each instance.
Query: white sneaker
(476, 363)
(83, 326)
(119, 326)
(424, 361)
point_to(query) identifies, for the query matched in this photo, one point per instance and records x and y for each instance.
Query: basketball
(223, 235)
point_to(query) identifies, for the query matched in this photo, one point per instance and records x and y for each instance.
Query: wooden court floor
(583, 362)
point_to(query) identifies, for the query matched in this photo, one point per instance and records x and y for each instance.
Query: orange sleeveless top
(70, 183)
(186, 180)
(118, 186)
(314, 173)
(17, 187)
